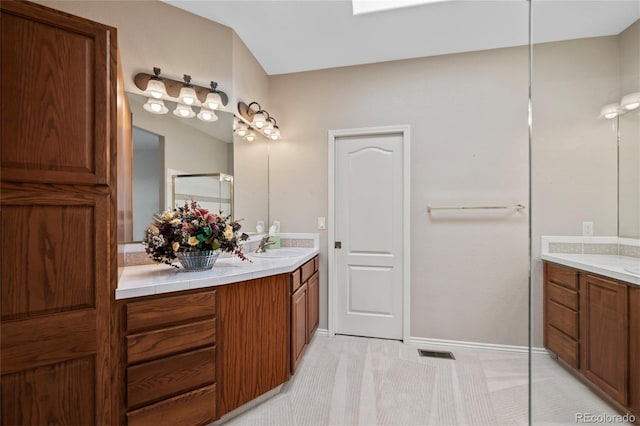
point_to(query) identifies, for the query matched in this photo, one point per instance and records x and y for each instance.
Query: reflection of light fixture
(155, 106)
(184, 111)
(207, 115)
(609, 111)
(155, 86)
(251, 136)
(260, 119)
(187, 94)
(213, 100)
(242, 129)
(630, 101)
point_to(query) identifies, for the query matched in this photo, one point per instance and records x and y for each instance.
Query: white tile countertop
(145, 280)
(612, 266)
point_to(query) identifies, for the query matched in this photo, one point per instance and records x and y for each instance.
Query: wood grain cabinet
(634, 350)
(604, 325)
(170, 346)
(593, 324)
(561, 317)
(58, 117)
(305, 294)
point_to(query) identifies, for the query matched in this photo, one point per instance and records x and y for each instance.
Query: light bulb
(251, 137)
(213, 100)
(242, 130)
(631, 101)
(187, 95)
(155, 88)
(184, 111)
(206, 115)
(155, 106)
(268, 128)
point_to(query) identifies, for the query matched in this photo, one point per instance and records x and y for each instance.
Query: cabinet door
(604, 331)
(58, 91)
(298, 325)
(313, 296)
(253, 343)
(56, 293)
(634, 349)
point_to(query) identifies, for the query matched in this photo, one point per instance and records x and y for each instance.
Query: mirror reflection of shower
(148, 174)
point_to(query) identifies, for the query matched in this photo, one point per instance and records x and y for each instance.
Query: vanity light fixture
(213, 100)
(251, 136)
(155, 86)
(260, 119)
(187, 93)
(609, 111)
(630, 101)
(242, 130)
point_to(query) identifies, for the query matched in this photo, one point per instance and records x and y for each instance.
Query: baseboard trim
(322, 332)
(420, 341)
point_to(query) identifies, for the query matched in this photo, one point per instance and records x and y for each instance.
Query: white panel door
(369, 215)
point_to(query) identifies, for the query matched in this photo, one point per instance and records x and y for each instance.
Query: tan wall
(468, 118)
(574, 153)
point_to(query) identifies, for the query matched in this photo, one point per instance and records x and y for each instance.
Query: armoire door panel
(48, 266)
(54, 98)
(55, 394)
(29, 343)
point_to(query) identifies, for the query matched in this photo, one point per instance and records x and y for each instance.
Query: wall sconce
(259, 119)
(185, 94)
(627, 103)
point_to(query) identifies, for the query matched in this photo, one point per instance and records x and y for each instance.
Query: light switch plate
(587, 229)
(322, 223)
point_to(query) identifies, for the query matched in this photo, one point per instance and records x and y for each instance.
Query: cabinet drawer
(307, 270)
(169, 376)
(197, 407)
(166, 311)
(564, 346)
(562, 318)
(562, 295)
(562, 276)
(295, 280)
(169, 341)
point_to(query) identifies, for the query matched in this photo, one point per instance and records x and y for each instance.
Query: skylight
(361, 7)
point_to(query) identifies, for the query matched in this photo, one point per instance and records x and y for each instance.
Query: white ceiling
(300, 35)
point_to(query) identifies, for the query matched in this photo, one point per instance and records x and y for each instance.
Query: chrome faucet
(264, 243)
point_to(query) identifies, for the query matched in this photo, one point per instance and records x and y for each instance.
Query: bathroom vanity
(592, 321)
(195, 346)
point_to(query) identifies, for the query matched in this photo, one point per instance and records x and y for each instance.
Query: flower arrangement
(191, 229)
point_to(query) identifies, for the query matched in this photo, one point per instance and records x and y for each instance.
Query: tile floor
(359, 381)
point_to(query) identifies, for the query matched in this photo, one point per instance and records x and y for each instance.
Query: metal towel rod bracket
(516, 207)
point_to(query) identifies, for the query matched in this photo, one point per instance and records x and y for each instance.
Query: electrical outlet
(322, 223)
(587, 229)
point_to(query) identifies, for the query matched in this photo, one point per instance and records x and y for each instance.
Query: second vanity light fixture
(185, 94)
(259, 120)
(627, 103)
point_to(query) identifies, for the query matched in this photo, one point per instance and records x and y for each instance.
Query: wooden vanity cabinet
(592, 323)
(305, 294)
(604, 326)
(634, 350)
(170, 358)
(561, 317)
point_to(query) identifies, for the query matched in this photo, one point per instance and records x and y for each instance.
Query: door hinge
(337, 244)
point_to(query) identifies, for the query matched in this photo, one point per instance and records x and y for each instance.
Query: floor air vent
(435, 354)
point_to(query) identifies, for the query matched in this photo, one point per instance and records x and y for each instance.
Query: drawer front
(316, 262)
(562, 276)
(307, 270)
(562, 318)
(171, 310)
(564, 346)
(197, 407)
(295, 280)
(563, 296)
(169, 376)
(169, 341)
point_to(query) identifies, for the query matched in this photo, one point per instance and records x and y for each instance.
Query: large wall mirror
(629, 175)
(165, 146)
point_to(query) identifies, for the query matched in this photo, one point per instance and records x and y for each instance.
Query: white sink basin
(633, 270)
(279, 253)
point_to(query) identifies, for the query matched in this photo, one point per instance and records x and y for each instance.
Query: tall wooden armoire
(58, 217)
